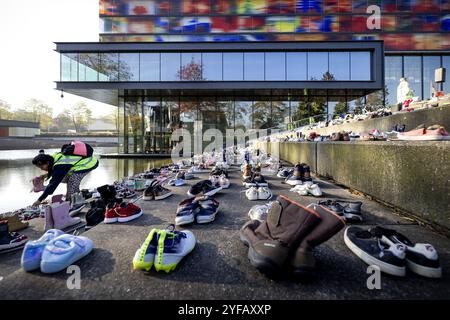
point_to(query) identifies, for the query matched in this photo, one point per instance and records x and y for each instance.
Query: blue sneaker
(208, 210)
(32, 253)
(145, 255)
(186, 212)
(63, 251)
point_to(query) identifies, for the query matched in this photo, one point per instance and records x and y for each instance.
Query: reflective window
(430, 64)
(317, 65)
(261, 115)
(170, 66)
(109, 67)
(412, 67)
(253, 66)
(275, 63)
(340, 65)
(88, 67)
(233, 66)
(280, 114)
(129, 67)
(392, 75)
(212, 66)
(446, 65)
(360, 66)
(191, 67)
(69, 67)
(150, 67)
(296, 65)
(243, 115)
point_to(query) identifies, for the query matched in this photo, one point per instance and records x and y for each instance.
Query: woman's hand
(44, 176)
(36, 203)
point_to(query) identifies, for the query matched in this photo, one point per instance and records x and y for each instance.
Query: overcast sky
(28, 64)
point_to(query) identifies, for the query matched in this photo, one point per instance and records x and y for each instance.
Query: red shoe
(127, 212)
(110, 215)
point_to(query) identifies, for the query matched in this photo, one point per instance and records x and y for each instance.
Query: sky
(28, 63)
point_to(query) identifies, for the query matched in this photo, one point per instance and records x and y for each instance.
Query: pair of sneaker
(96, 213)
(220, 180)
(202, 209)
(122, 212)
(156, 192)
(307, 188)
(54, 251)
(301, 173)
(392, 252)
(256, 179)
(163, 249)
(349, 210)
(284, 172)
(258, 193)
(10, 241)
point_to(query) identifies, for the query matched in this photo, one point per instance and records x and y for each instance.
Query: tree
(80, 115)
(36, 111)
(62, 122)
(5, 111)
(340, 108)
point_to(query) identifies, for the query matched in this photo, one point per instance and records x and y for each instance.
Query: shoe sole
(75, 212)
(424, 271)
(423, 138)
(147, 198)
(130, 218)
(213, 192)
(110, 220)
(353, 217)
(164, 196)
(141, 265)
(15, 246)
(207, 219)
(368, 259)
(184, 220)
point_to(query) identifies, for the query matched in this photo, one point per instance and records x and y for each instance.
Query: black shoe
(86, 194)
(390, 258)
(351, 210)
(333, 206)
(421, 258)
(305, 172)
(107, 192)
(204, 187)
(95, 216)
(10, 241)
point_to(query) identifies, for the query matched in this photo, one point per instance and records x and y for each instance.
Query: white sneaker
(259, 212)
(314, 190)
(264, 193)
(293, 181)
(252, 193)
(224, 182)
(300, 189)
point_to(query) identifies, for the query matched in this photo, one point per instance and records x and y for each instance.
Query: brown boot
(303, 262)
(272, 241)
(14, 223)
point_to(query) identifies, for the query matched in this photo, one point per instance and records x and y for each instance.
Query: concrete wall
(413, 176)
(438, 115)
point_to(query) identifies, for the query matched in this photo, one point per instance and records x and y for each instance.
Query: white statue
(402, 90)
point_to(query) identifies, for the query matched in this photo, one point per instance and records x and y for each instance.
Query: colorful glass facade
(404, 24)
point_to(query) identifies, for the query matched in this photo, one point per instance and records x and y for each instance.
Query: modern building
(14, 128)
(252, 63)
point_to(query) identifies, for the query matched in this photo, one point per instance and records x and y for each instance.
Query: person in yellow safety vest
(68, 169)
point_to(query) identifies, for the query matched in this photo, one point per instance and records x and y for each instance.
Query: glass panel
(89, 63)
(317, 65)
(317, 109)
(150, 67)
(225, 115)
(337, 107)
(261, 115)
(253, 66)
(170, 66)
(296, 65)
(133, 121)
(189, 121)
(275, 65)
(69, 67)
(429, 65)
(446, 65)
(191, 67)
(360, 66)
(355, 104)
(121, 126)
(280, 114)
(243, 112)
(392, 75)
(152, 126)
(212, 66)
(109, 67)
(340, 65)
(233, 66)
(129, 67)
(412, 66)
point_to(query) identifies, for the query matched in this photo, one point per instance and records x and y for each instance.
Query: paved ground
(218, 267)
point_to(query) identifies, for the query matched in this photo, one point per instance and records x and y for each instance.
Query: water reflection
(16, 171)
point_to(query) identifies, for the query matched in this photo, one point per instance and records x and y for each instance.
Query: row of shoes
(202, 209)
(285, 240)
(392, 252)
(163, 249)
(54, 251)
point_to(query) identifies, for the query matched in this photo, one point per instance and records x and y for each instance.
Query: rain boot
(303, 262)
(272, 241)
(61, 217)
(49, 223)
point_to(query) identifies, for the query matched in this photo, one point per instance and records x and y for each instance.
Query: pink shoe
(49, 224)
(432, 133)
(38, 184)
(61, 217)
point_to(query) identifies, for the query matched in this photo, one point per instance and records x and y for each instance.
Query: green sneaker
(145, 255)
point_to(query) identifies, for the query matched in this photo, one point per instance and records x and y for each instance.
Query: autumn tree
(80, 115)
(5, 111)
(36, 111)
